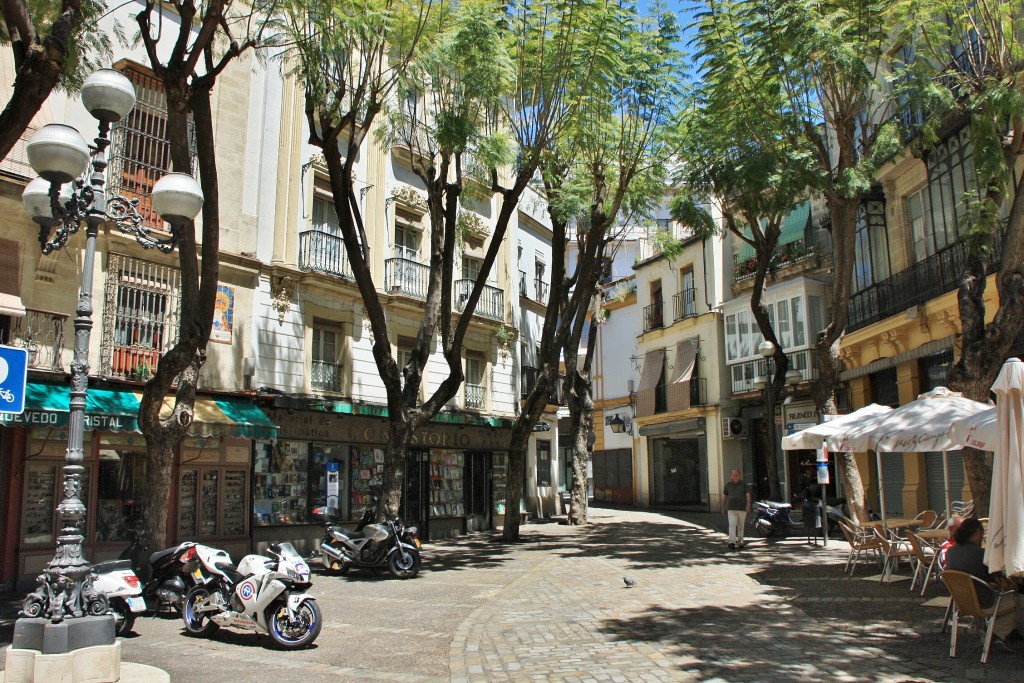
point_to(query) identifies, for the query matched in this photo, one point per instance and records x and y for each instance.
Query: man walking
(737, 504)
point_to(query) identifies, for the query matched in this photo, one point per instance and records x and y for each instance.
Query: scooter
(390, 544)
(262, 594)
(116, 580)
(772, 518)
(164, 576)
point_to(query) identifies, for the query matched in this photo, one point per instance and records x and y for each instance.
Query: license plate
(136, 604)
(197, 573)
(417, 542)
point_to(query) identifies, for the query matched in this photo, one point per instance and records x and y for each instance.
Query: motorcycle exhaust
(335, 552)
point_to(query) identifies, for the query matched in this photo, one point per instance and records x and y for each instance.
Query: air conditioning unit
(735, 428)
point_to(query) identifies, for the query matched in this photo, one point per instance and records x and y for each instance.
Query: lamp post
(61, 201)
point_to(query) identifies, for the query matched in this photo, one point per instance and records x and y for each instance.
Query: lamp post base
(81, 650)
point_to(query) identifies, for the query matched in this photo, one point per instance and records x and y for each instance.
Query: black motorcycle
(772, 518)
(164, 574)
(388, 544)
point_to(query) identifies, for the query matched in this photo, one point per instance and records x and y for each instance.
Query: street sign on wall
(13, 376)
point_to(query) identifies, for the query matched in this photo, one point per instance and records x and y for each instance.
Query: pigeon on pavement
(628, 581)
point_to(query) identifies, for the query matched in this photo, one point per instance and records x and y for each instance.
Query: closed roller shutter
(936, 486)
(892, 480)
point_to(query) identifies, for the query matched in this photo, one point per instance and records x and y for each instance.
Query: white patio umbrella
(976, 431)
(812, 437)
(916, 427)
(1005, 548)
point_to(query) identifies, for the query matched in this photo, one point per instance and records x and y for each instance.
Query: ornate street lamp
(60, 201)
(618, 425)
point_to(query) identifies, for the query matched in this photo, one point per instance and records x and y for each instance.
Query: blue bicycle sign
(13, 376)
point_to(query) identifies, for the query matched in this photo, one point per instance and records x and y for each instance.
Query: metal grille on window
(140, 149)
(140, 316)
(474, 386)
(326, 368)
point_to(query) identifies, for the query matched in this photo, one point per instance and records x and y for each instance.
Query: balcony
(41, 334)
(685, 304)
(474, 396)
(743, 374)
(698, 394)
(490, 305)
(654, 316)
(409, 278)
(923, 281)
(529, 381)
(801, 252)
(322, 252)
(324, 376)
(540, 291)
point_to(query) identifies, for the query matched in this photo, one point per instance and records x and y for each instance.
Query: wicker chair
(860, 540)
(964, 601)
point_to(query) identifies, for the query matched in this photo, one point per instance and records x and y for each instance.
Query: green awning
(793, 229)
(48, 405)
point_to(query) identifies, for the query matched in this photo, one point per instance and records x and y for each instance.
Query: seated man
(968, 556)
(954, 523)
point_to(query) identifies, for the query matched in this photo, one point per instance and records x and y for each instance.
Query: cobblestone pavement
(554, 608)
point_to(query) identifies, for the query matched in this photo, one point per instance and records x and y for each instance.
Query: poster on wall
(223, 315)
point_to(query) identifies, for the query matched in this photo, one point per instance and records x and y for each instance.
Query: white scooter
(123, 589)
(262, 594)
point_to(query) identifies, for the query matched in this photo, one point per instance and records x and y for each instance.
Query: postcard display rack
(281, 472)
(446, 482)
(367, 471)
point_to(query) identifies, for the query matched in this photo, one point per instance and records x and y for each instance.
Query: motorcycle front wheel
(124, 618)
(299, 632)
(404, 567)
(197, 623)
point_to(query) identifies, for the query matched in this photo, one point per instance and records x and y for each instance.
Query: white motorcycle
(118, 582)
(262, 594)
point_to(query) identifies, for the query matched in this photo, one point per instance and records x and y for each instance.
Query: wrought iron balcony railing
(491, 303)
(529, 381)
(324, 376)
(654, 316)
(540, 289)
(685, 303)
(41, 333)
(698, 394)
(743, 374)
(409, 278)
(323, 252)
(921, 282)
(474, 396)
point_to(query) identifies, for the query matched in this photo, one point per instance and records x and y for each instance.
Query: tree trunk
(581, 411)
(517, 449)
(399, 440)
(163, 451)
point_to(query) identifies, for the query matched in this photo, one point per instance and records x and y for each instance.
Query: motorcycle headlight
(411, 530)
(298, 571)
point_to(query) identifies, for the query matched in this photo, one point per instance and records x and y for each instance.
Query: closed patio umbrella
(1004, 550)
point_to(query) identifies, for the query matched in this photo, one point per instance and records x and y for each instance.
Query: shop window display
(446, 484)
(367, 470)
(281, 470)
(121, 493)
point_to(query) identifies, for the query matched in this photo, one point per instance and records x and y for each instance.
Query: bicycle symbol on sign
(7, 395)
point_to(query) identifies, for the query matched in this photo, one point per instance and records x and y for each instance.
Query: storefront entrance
(677, 472)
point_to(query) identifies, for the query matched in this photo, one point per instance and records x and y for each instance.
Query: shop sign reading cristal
(358, 430)
(59, 418)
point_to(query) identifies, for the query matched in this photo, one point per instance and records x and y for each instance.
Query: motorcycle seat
(230, 570)
(159, 555)
(348, 534)
(111, 566)
(777, 506)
